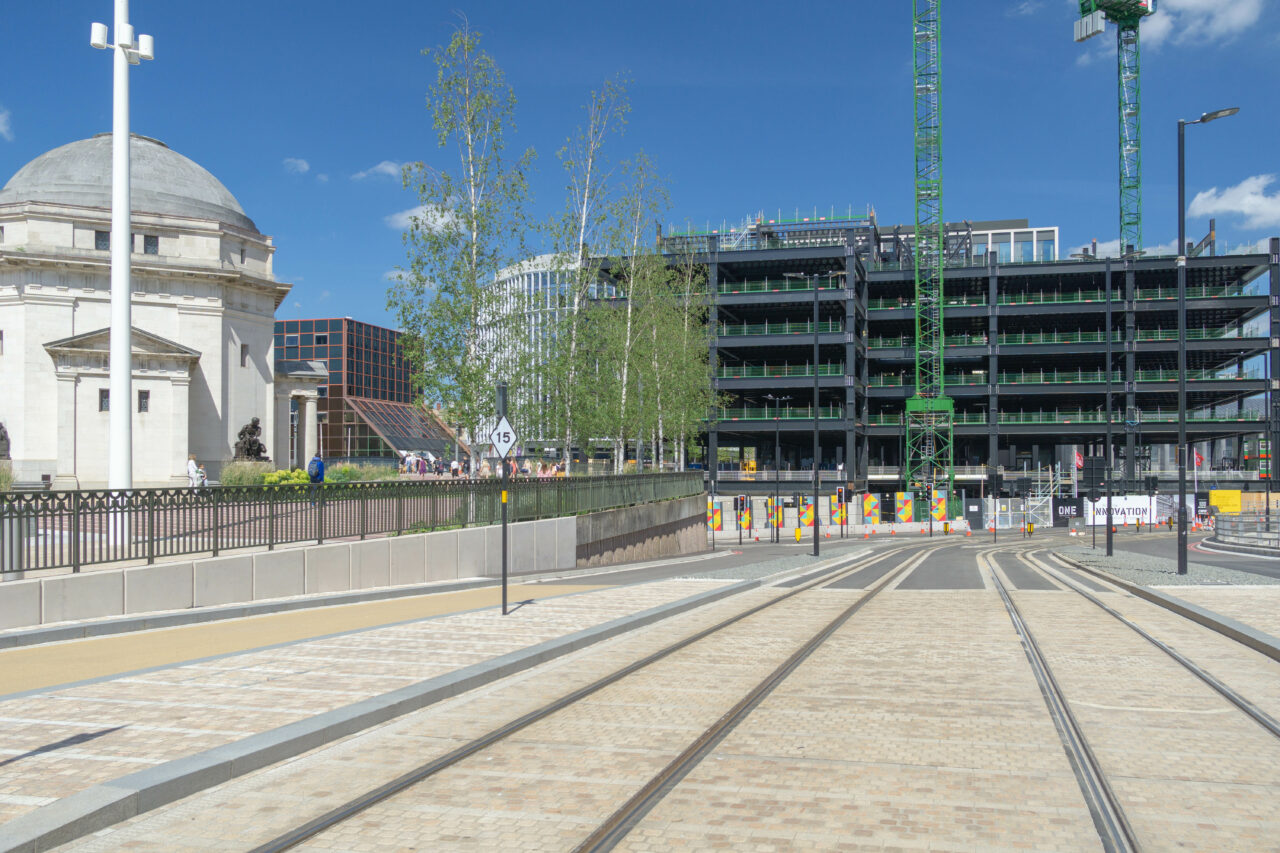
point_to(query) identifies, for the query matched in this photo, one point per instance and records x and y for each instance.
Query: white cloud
(6, 128)
(324, 179)
(296, 165)
(1200, 22)
(1097, 50)
(1025, 8)
(1111, 248)
(1248, 199)
(324, 296)
(431, 217)
(387, 168)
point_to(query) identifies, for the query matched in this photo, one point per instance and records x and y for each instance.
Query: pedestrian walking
(193, 472)
(315, 473)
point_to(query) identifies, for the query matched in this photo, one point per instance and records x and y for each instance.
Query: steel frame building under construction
(1026, 351)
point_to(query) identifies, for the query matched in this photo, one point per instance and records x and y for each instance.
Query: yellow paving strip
(35, 667)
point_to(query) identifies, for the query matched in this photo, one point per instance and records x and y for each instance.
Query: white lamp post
(128, 51)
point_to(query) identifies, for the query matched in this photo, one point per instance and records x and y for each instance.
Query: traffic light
(1094, 475)
(1153, 484)
(841, 498)
(739, 503)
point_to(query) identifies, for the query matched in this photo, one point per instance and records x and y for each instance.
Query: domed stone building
(204, 299)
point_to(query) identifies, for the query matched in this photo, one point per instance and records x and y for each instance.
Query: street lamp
(1108, 377)
(128, 51)
(777, 459)
(1182, 327)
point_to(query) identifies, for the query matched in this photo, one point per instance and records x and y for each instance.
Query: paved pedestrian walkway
(918, 725)
(86, 712)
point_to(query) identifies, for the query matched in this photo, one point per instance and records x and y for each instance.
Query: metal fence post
(215, 520)
(399, 509)
(271, 517)
(362, 514)
(151, 527)
(320, 514)
(75, 531)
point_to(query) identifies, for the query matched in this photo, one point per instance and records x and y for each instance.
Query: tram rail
(615, 827)
(1115, 830)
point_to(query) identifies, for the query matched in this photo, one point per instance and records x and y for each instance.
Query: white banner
(1131, 508)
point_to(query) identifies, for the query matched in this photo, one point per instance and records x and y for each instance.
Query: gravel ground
(1161, 571)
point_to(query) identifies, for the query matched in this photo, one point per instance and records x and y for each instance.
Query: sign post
(503, 438)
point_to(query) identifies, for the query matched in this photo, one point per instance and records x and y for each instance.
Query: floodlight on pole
(127, 52)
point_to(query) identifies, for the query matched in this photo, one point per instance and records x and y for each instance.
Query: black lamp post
(777, 459)
(817, 521)
(1108, 369)
(1182, 327)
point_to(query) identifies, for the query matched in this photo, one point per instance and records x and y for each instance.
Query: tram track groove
(1263, 719)
(620, 823)
(1112, 824)
(1032, 557)
(405, 781)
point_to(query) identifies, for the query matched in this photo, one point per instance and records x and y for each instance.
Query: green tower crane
(930, 412)
(1126, 15)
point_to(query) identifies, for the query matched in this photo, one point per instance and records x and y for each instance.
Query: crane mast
(930, 413)
(1126, 15)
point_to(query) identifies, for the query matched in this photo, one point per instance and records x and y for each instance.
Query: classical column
(65, 475)
(180, 431)
(307, 427)
(280, 434)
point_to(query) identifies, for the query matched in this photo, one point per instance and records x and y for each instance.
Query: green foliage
(579, 236)
(244, 473)
(6, 475)
(361, 473)
(463, 235)
(285, 477)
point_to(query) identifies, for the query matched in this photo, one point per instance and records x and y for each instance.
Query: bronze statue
(4, 442)
(249, 445)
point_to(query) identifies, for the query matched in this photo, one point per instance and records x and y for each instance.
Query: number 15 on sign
(503, 438)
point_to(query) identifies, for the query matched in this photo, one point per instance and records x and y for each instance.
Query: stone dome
(163, 181)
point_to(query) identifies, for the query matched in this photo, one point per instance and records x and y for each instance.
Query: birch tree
(461, 234)
(639, 272)
(576, 235)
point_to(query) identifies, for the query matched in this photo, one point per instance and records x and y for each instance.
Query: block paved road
(918, 724)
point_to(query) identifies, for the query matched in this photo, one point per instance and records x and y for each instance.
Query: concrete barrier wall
(643, 532)
(632, 533)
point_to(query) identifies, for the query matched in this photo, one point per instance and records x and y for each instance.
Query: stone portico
(203, 305)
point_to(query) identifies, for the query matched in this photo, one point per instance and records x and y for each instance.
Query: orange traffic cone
(866, 535)
(892, 532)
(968, 532)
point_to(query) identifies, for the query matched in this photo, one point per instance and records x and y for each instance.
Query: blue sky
(744, 106)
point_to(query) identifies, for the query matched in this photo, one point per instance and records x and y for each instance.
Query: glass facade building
(368, 408)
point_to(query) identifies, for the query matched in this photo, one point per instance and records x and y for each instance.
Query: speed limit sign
(503, 437)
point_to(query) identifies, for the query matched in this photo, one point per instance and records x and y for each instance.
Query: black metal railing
(50, 530)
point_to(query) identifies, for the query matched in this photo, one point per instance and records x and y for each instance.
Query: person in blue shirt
(315, 469)
(315, 473)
